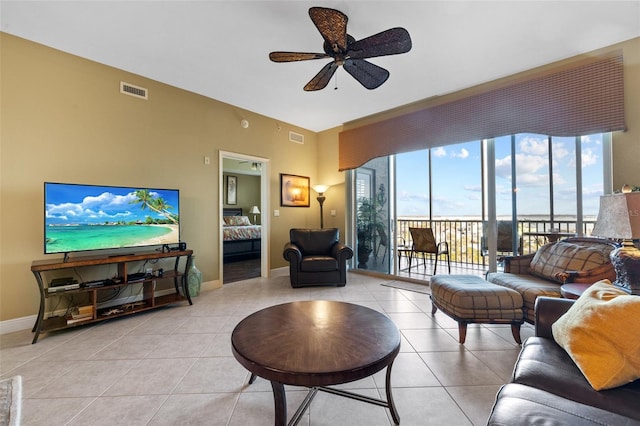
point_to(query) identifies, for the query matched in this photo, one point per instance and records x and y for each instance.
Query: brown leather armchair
(317, 257)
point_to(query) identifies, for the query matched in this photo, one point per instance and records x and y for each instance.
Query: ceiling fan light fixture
(348, 52)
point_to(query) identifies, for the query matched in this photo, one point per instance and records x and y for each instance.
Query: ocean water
(60, 239)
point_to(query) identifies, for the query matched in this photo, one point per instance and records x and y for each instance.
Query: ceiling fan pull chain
(336, 80)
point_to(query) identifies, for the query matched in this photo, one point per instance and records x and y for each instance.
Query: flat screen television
(92, 217)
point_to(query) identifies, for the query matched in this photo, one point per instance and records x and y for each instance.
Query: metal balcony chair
(382, 240)
(424, 243)
(504, 243)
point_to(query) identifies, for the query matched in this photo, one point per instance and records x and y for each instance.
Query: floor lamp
(321, 189)
(619, 218)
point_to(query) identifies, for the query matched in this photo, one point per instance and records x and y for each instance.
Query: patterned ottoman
(470, 299)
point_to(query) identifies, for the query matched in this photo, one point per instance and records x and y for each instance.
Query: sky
(457, 183)
(84, 204)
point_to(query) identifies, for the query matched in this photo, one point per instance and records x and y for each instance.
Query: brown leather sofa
(547, 388)
(317, 257)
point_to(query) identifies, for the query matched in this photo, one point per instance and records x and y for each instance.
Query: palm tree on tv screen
(157, 204)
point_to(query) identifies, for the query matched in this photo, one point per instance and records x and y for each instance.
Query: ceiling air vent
(296, 137)
(131, 90)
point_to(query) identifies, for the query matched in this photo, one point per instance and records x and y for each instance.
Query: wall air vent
(136, 91)
(296, 137)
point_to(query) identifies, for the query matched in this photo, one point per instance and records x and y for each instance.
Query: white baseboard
(279, 272)
(17, 324)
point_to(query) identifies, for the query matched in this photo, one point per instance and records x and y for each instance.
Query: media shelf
(150, 299)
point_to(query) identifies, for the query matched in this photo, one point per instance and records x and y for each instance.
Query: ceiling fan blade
(369, 75)
(332, 25)
(295, 56)
(321, 79)
(389, 42)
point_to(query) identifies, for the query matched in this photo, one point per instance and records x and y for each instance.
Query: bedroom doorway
(244, 219)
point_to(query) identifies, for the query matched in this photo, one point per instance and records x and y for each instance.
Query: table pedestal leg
(392, 406)
(280, 400)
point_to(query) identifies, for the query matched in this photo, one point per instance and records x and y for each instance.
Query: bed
(241, 239)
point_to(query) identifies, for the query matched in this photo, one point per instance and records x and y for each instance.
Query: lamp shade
(254, 210)
(320, 189)
(619, 216)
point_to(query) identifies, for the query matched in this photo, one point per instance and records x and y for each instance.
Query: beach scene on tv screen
(86, 217)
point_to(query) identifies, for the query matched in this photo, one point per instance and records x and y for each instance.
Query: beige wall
(64, 119)
(626, 145)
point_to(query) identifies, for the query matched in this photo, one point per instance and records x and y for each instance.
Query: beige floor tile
(431, 339)
(459, 368)
(208, 375)
(431, 406)
(151, 377)
(475, 401)
(212, 409)
(175, 366)
(131, 410)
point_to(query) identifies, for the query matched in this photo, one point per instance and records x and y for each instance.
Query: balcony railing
(465, 236)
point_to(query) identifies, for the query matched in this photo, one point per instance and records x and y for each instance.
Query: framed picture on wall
(294, 190)
(232, 189)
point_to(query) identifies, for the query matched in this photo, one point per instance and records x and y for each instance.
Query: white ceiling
(220, 48)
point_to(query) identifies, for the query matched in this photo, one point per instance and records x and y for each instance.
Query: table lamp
(321, 189)
(619, 218)
(254, 211)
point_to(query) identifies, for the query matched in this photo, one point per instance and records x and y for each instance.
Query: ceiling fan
(348, 52)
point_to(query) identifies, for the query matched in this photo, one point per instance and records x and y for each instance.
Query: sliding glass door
(372, 213)
(485, 198)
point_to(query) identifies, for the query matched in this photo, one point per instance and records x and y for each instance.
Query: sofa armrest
(342, 252)
(602, 272)
(517, 264)
(292, 253)
(547, 311)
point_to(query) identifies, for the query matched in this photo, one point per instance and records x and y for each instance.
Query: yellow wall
(626, 145)
(64, 119)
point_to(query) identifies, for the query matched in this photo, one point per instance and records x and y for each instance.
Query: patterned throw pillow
(561, 256)
(238, 220)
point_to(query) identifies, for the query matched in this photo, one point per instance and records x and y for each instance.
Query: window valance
(577, 97)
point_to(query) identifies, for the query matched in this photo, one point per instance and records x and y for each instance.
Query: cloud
(589, 157)
(462, 154)
(503, 167)
(535, 146)
(439, 152)
(559, 151)
(475, 188)
(104, 206)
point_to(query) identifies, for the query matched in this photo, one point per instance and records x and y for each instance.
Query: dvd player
(138, 276)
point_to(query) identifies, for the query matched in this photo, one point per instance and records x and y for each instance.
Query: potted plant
(370, 215)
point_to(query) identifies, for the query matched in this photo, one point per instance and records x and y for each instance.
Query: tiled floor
(174, 366)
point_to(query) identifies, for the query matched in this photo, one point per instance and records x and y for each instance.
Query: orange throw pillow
(601, 333)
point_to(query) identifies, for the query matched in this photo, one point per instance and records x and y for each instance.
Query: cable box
(56, 282)
(63, 288)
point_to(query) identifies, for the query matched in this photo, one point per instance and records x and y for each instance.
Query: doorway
(244, 219)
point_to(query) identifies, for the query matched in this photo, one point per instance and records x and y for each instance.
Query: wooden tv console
(150, 300)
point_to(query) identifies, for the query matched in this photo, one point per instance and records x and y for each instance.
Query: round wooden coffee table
(316, 344)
